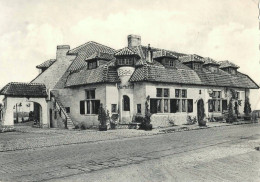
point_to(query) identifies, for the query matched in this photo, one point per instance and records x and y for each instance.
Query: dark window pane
(92, 94)
(82, 107)
(224, 105)
(177, 92)
(159, 92)
(113, 107)
(184, 93)
(67, 109)
(153, 105)
(190, 105)
(166, 92)
(126, 103)
(139, 108)
(87, 94)
(97, 105)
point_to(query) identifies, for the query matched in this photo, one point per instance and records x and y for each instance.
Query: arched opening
(126, 103)
(27, 113)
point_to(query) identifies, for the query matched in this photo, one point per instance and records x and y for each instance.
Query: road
(214, 154)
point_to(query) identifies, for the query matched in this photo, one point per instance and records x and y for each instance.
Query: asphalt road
(214, 154)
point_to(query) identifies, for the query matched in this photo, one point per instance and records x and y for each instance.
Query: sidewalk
(31, 138)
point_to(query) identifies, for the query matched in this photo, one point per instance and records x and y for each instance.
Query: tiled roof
(153, 73)
(191, 58)
(46, 64)
(177, 54)
(210, 61)
(226, 64)
(18, 89)
(86, 50)
(100, 55)
(102, 74)
(163, 53)
(126, 52)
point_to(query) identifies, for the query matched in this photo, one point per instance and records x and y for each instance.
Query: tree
(247, 109)
(231, 117)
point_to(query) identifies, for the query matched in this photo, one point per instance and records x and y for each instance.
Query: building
(81, 79)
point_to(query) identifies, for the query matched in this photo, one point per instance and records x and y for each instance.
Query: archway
(27, 114)
(25, 92)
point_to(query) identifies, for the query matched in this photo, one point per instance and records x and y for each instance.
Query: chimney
(62, 51)
(149, 54)
(134, 40)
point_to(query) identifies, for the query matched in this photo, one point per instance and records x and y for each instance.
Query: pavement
(26, 137)
(213, 154)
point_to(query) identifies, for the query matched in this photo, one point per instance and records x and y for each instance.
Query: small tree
(231, 117)
(102, 118)
(247, 109)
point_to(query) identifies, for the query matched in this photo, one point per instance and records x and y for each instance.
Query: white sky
(221, 29)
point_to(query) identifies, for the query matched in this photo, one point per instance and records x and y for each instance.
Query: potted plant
(247, 110)
(102, 118)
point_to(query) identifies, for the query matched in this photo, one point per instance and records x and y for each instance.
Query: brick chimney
(134, 40)
(61, 52)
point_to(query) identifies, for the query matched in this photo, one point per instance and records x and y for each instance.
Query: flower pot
(103, 128)
(202, 123)
(148, 127)
(247, 118)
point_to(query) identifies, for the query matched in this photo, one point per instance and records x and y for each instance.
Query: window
(126, 103)
(159, 92)
(92, 65)
(214, 105)
(184, 93)
(177, 92)
(175, 105)
(113, 108)
(166, 92)
(139, 108)
(90, 105)
(67, 109)
(155, 105)
(183, 103)
(224, 105)
(125, 61)
(237, 95)
(190, 105)
(171, 63)
(217, 94)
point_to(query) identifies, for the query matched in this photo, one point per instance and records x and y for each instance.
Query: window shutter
(82, 107)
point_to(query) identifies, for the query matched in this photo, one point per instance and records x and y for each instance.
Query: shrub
(247, 107)
(84, 126)
(201, 113)
(102, 116)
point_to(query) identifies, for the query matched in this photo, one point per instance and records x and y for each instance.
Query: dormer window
(92, 65)
(126, 57)
(228, 67)
(165, 57)
(125, 61)
(193, 61)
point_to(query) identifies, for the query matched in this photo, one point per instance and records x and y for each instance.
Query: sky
(220, 29)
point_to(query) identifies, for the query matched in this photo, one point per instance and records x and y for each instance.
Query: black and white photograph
(129, 91)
